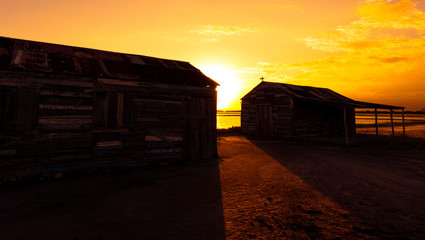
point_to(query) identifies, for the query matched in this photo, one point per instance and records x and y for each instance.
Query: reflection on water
(228, 121)
(411, 130)
(364, 119)
(415, 123)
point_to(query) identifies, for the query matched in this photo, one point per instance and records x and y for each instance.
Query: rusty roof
(315, 94)
(31, 56)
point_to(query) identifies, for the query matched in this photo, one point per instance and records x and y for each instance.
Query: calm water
(415, 123)
(228, 119)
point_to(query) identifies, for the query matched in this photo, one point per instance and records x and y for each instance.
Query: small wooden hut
(285, 110)
(67, 107)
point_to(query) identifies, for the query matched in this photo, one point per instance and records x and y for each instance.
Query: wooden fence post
(404, 129)
(392, 122)
(376, 121)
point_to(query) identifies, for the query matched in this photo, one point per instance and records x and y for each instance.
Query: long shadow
(375, 186)
(176, 202)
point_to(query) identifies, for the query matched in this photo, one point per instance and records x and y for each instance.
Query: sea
(365, 122)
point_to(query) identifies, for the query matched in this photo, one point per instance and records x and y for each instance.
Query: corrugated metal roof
(23, 55)
(315, 94)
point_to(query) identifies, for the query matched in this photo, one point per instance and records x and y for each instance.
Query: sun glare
(229, 82)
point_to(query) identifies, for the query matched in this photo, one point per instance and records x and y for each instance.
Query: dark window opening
(113, 110)
(18, 109)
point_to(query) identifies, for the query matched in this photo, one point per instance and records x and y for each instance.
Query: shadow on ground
(383, 188)
(178, 202)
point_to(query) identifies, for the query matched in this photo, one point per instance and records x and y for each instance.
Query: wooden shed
(67, 107)
(285, 110)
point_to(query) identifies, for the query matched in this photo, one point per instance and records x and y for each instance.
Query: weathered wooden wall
(280, 115)
(291, 117)
(55, 122)
(248, 118)
(321, 119)
(280, 109)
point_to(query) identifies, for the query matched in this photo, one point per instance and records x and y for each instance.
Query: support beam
(376, 120)
(392, 122)
(120, 110)
(345, 126)
(404, 129)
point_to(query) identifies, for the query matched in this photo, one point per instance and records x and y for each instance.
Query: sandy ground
(256, 190)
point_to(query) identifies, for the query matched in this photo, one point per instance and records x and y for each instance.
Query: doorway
(264, 120)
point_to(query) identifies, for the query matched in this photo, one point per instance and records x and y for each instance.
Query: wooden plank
(264, 120)
(46, 78)
(61, 127)
(19, 84)
(66, 101)
(63, 107)
(111, 117)
(64, 82)
(118, 82)
(8, 152)
(18, 57)
(72, 157)
(26, 109)
(68, 117)
(55, 137)
(149, 101)
(108, 145)
(120, 109)
(62, 112)
(114, 130)
(48, 92)
(64, 121)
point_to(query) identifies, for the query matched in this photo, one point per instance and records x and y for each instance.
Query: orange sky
(367, 50)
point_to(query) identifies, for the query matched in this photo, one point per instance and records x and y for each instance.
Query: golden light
(229, 87)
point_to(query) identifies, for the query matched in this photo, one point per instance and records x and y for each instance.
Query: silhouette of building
(63, 107)
(285, 110)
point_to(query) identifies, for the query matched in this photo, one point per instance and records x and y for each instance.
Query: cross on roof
(261, 78)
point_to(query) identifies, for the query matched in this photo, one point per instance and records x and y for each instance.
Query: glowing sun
(229, 87)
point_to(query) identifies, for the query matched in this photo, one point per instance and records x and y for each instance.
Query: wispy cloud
(215, 32)
(369, 31)
(377, 57)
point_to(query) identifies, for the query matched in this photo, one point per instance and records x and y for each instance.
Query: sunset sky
(367, 50)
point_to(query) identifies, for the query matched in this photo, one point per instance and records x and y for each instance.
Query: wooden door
(264, 120)
(200, 128)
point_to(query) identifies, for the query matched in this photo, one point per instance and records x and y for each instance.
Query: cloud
(370, 30)
(398, 15)
(215, 32)
(376, 58)
(389, 60)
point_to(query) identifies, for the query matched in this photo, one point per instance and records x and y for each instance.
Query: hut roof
(315, 94)
(31, 56)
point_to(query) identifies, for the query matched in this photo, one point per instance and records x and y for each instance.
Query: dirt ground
(257, 189)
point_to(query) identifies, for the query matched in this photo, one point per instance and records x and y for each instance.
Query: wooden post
(404, 129)
(345, 126)
(376, 121)
(120, 109)
(392, 122)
